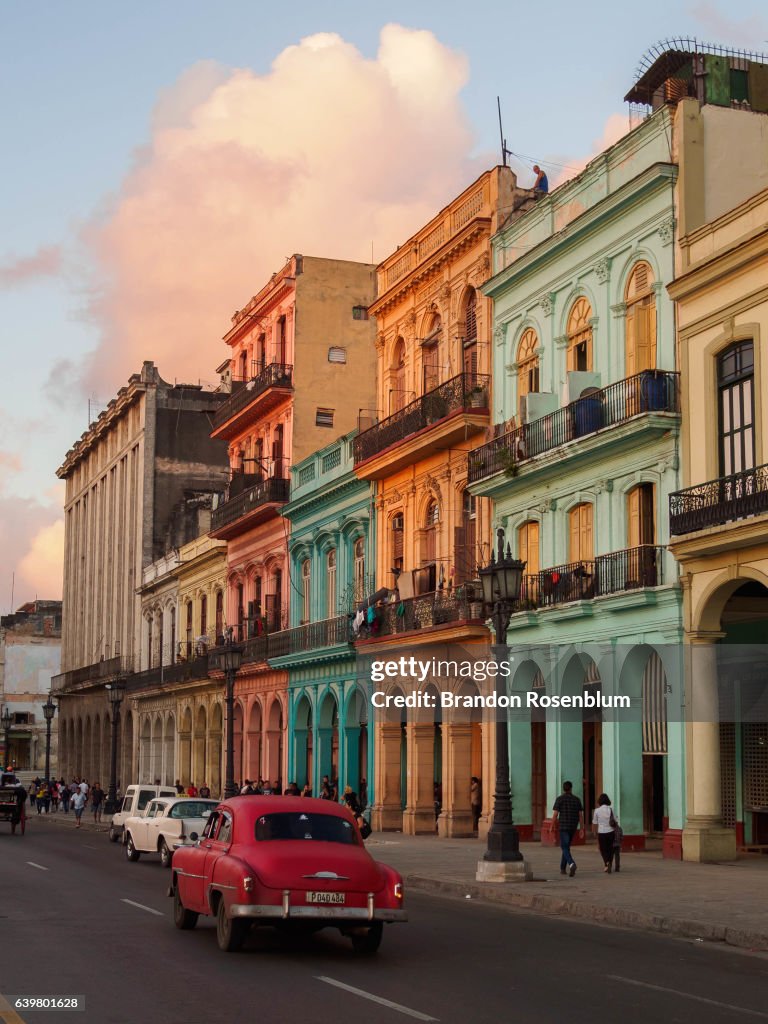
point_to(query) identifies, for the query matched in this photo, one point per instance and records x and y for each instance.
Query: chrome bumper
(321, 912)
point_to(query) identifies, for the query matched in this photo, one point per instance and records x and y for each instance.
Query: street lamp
(49, 710)
(501, 580)
(115, 693)
(6, 718)
(232, 659)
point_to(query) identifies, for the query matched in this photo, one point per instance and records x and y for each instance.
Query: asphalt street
(76, 918)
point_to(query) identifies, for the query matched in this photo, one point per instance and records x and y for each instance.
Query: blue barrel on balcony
(587, 415)
(653, 391)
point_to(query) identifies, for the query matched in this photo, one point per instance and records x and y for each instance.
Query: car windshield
(192, 809)
(326, 828)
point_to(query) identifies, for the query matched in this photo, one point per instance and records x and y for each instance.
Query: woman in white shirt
(603, 826)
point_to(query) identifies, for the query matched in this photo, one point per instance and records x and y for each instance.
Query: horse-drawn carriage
(13, 800)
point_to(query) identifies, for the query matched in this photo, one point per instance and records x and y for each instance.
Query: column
(387, 811)
(704, 838)
(456, 817)
(565, 761)
(419, 814)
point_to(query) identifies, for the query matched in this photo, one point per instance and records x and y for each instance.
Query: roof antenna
(504, 151)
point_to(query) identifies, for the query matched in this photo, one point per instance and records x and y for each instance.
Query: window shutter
(647, 518)
(642, 337)
(587, 534)
(631, 342)
(633, 517)
(574, 538)
(460, 560)
(532, 556)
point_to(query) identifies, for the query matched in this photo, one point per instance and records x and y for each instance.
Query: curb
(552, 905)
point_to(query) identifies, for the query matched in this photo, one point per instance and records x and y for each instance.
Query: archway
(145, 749)
(215, 745)
(106, 748)
(185, 747)
(199, 746)
(87, 748)
(328, 738)
(238, 744)
(125, 762)
(356, 742)
(253, 765)
(274, 764)
(303, 744)
(390, 765)
(156, 764)
(169, 742)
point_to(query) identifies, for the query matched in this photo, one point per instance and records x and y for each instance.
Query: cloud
(328, 153)
(31, 551)
(46, 262)
(565, 168)
(9, 463)
(744, 32)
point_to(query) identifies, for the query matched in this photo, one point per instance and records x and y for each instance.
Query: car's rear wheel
(165, 854)
(230, 931)
(182, 918)
(367, 943)
(130, 850)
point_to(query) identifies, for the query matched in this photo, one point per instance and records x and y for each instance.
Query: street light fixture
(49, 710)
(232, 659)
(115, 693)
(6, 718)
(501, 581)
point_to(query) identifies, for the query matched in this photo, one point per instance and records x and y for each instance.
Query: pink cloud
(9, 463)
(616, 126)
(46, 262)
(30, 553)
(741, 32)
(329, 153)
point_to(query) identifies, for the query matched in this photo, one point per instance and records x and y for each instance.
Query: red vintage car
(293, 862)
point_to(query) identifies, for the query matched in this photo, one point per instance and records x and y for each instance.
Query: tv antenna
(504, 151)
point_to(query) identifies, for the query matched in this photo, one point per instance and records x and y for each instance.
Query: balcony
(423, 612)
(443, 416)
(310, 637)
(252, 399)
(653, 391)
(614, 573)
(99, 672)
(179, 672)
(720, 501)
(256, 504)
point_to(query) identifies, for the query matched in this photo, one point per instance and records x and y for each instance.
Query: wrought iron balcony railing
(719, 501)
(467, 391)
(180, 671)
(614, 573)
(649, 391)
(263, 492)
(434, 609)
(275, 375)
(311, 636)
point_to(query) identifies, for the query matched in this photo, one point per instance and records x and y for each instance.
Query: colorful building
(299, 367)
(434, 400)
(331, 550)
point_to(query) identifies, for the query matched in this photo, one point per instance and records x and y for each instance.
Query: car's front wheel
(182, 918)
(367, 943)
(130, 850)
(165, 854)
(114, 835)
(230, 931)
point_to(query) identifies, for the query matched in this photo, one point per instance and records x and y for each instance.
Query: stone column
(387, 811)
(704, 837)
(456, 817)
(419, 814)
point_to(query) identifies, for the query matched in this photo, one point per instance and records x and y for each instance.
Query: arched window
(527, 364)
(188, 651)
(465, 541)
(397, 392)
(398, 540)
(581, 545)
(203, 615)
(306, 581)
(431, 354)
(359, 569)
(330, 590)
(528, 546)
(469, 356)
(641, 521)
(431, 523)
(580, 336)
(219, 615)
(736, 404)
(640, 321)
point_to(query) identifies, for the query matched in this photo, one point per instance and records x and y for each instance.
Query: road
(77, 918)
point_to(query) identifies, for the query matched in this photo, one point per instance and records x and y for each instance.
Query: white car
(165, 825)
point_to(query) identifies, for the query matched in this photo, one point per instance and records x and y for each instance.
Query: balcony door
(581, 547)
(735, 378)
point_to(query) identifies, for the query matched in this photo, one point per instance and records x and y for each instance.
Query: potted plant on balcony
(478, 397)
(508, 463)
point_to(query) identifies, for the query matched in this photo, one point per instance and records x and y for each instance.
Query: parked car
(165, 825)
(298, 864)
(135, 800)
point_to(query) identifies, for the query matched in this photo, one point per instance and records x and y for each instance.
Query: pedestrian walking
(192, 789)
(604, 825)
(79, 801)
(179, 787)
(97, 802)
(475, 801)
(64, 796)
(54, 795)
(568, 813)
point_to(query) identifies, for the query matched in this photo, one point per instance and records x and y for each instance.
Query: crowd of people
(56, 794)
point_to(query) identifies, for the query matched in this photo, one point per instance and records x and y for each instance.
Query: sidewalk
(712, 902)
(715, 902)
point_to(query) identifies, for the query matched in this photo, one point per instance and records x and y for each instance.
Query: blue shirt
(543, 184)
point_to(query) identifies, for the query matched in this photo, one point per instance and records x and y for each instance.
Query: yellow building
(434, 401)
(719, 526)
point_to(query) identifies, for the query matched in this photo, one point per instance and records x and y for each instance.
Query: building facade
(434, 398)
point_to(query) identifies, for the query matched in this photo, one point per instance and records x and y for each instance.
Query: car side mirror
(194, 836)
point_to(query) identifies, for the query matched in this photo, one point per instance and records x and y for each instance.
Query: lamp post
(6, 718)
(115, 693)
(49, 710)
(232, 658)
(501, 580)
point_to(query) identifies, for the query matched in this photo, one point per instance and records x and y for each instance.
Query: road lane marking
(376, 999)
(87, 847)
(38, 866)
(141, 906)
(688, 995)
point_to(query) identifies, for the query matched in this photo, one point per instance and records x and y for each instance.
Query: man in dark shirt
(569, 813)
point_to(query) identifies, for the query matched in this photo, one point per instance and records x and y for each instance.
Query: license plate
(325, 897)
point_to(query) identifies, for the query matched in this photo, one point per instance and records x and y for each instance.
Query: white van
(135, 800)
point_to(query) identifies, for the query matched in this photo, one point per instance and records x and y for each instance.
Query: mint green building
(582, 460)
(330, 556)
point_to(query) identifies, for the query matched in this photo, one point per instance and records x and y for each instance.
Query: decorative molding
(381, 341)
(561, 340)
(602, 270)
(667, 231)
(547, 303)
(431, 483)
(619, 310)
(498, 334)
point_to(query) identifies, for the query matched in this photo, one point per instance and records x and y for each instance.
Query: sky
(160, 161)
